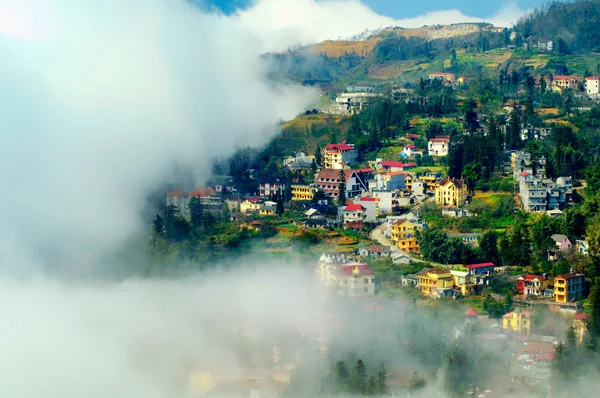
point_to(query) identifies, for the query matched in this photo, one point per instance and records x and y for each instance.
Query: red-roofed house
(329, 180)
(560, 82)
(531, 285)
(349, 277)
(482, 268)
(354, 213)
(410, 150)
(334, 154)
(439, 146)
(390, 165)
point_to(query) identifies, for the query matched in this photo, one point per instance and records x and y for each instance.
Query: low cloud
(101, 99)
(286, 23)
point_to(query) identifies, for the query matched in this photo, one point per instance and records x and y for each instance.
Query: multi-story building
(535, 133)
(563, 247)
(345, 275)
(518, 321)
(371, 206)
(299, 162)
(439, 146)
(464, 282)
(271, 187)
(538, 195)
(522, 161)
(203, 197)
(389, 181)
(531, 285)
(444, 76)
(329, 181)
(386, 203)
(566, 82)
(354, 213)
(334, 154)
(451, 192)
(592, 86)
(569, 287)
(435, 282)
(404, 235)
(302, 192)
(351, 103)
(251, 205)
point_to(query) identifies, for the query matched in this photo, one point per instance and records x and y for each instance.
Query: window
(366, 290)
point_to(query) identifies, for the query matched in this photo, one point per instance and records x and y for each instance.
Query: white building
(346, 103)
(592, 86)
(371, 206)
(354, 213)
(346, 276)
(439, 146)
(386, 201)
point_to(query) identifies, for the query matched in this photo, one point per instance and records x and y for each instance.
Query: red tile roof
(364, 171)
(354, 225)
(355, 207)
(364, 269)
(529, 277)
(592, 78)
(410, 146)
(391, 163)
(369, 199)
(201, 192)
(581, 317)
(482, 265)
(441, 138)
(546, 356)
(176, 193)
(525, 173)
(339, 147)
(524, 313)
(471, 312)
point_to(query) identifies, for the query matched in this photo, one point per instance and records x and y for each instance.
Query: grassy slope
(304, 133)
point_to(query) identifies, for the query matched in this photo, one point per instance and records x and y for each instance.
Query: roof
(347, 269)
(201, 192)
(391, 163)
(524, 313)
(367, 170)
(458, 182)
(354, 225)
(529, 277)
(559, 237)
(410, 146)
(471, 312)
(546, 356)
(568, 276)
(525, 173)
(482, 265)
(538, 348)
(581, 317)
(413, 136)
(369, 199)
(354, 207)
(592, 78)
(333, 174)
(339, 147)
(176, 193)
(440, 138)
(378, 248)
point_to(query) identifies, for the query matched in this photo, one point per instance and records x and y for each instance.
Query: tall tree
(381, 380)
(513, 131)
(158, 226)
(358, 382)
(342, 187)
(488, 247)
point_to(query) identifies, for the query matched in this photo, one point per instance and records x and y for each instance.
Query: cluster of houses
(563, 288)
(560, 83)
(437, 282)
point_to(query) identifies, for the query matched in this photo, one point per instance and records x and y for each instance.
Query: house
(302, 192)
(205, 198)
(580, 322)
(482, 268)
(455, 212)
(464, 282)
(393, 166)
(444, 76)
(531, 285)
(404, 236)
(314, 219)
(471, 316)
(410, 150)
(334, 154)
(354, 226)
(354, 213)
(251, 205)
(566, 82)
(271, 187)
(451, 192)
(387, 202)
(592, 86)
(518, 321)
(544, 45)
(387, 181)
(569, 287)
(371, 206)
(436, 282)
(563, 247)
(329, 181)
(298, 162)
(268, 209)
(348, 277)
(582, 247)
(375, 251)
(412, 137)
(439, 146)
(399, 258)
(471, 238)
(410, 280)
(351, 103)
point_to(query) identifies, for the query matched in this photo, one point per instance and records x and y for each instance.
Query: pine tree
(318, 156)
(371, 388)
(358, 383)
(158, 226)
(594, 322)
(342, 186)
(508, 302)
(381, 380)
(513, 131)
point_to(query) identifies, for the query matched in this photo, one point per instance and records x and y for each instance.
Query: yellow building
(252, 204)
(569, 287)
(580, 322)
(302, 192)
(463, 282)
(435, 282)
(451, 192)
(408, 180)
(518, 321)
(403, 236)
(254, 379)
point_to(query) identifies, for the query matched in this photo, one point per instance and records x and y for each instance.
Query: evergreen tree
(158, 226)
(342, 195)
(196, 211)
(513, 131)
(318, 156)
(358, 383)
(488, 247)
(416, 383)
(381, 380)
(371, 388)
(508, 302)
(594, 321)
(280, 209)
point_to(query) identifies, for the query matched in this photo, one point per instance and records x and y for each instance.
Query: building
(393, 166)
(399, 258)
(334, 154)
(268, 209)
(482, 268)
(251, 383)
(387, 181)
(205, 198)
(346, 276)
(302, 192)
(535, 133)
(582, 247)
(439, 146)
(592, 86)
(544, 45)
(569, 287)
(410, 280)
(580, 322)
(268, 188)
(375, 251)
(314, 219)
(354, 213)
(371, 206)
(563, 247)
(329, 181)
(471, 316)
(566, 82)
(404, 236)
(298, 162)
(451, 192)
(518, 321)
(251, 205)
(387, 202)
(456, 212)
(410, 150)
(531, 285)
(436, 282)
(471, 238)
(464, 282)
(444, 76)
(351, 103)
(541, 195)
